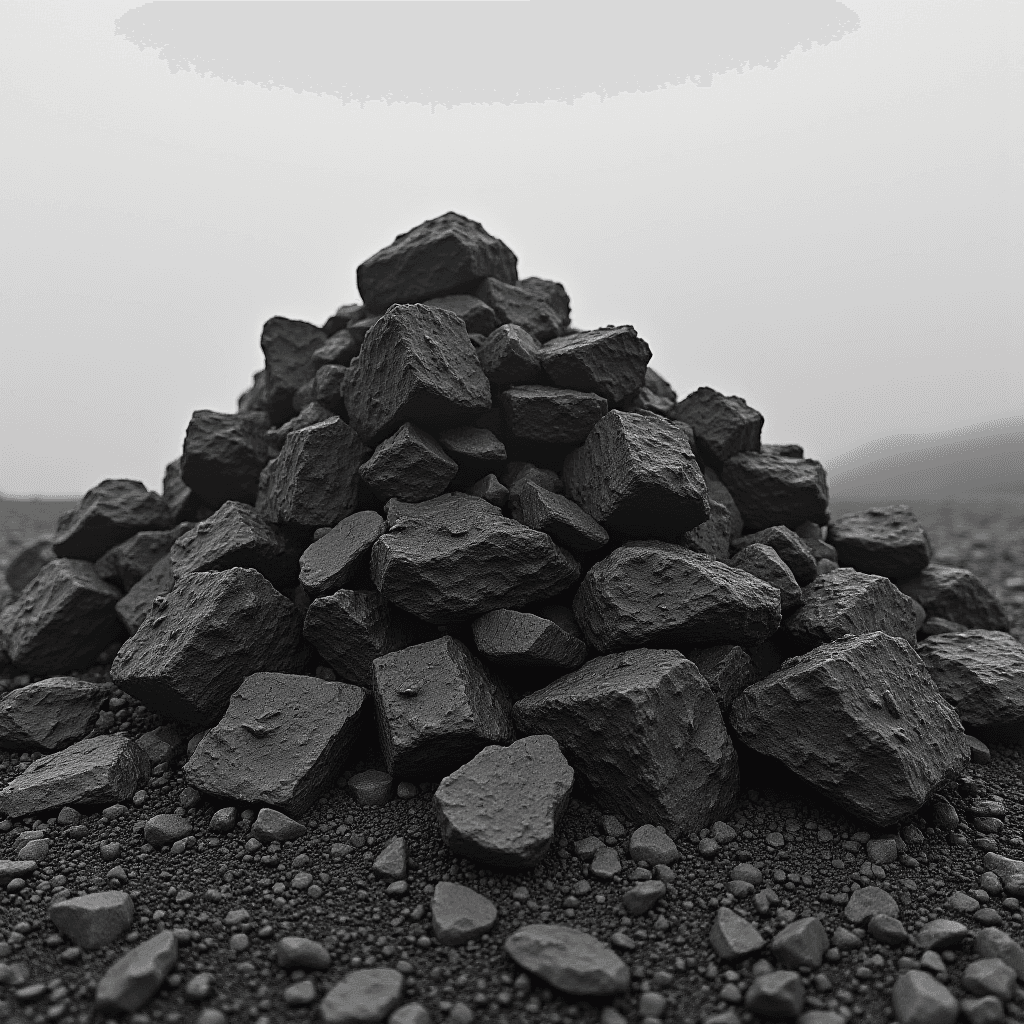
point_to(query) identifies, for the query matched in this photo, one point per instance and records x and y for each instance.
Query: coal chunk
(309, 416)
(790, 547)
(520, 639)
(315, 480)
(126, 563)
(553, 293)
(280, 743)
(437, 707)
(491, 489)
(885, 541)
(447, 255)
(562, 519)
(655, 594)
(416, 364)
(49, 714)
(327, 387)
(568, 959)
(223, 456)
(410, 465)
(861, 721)
(727, 668)
(109, 513)
(186, 506)
(133, 608)
(288, 346)
(717, 491)
(537, 412)
(456, 557)
(947, 592)
(714, 535)
(197, 645)
(341, 555)
(611, 362)
(636, 476)
(26, 564)
(764, 562)
(723, 425)
(62, 620)
(478, 317)
(774, 490)
(475, 449)
(645, 730)
(510, 355)
(513, 304)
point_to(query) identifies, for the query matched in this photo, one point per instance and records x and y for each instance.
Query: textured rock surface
(656, 594)
(560, 518)
(713, 536)
(341, 555)
(133, 608)
(568, 959)
(94, 920)
(733, 937)
(475, 449)
(611, 362)
(510, 355)
(538, 412)
(523, 640)
(288, 347)
(223, 457)
(947, 592)
(520, 306)
(776, 490)
(195, 648)
(728, 668)
(126, 563)
(502, 808)
(887, 541)
(280, 743)
(459, 914)
(49, 714)
(25, 565)
(478, 317)
(723, 425)
(645, 731)
(409, 465)
(861, 721)
(789, 546)
(132, 980)
(764, 562)
(363, 996)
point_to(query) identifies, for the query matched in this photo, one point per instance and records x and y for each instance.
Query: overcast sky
(821, 212)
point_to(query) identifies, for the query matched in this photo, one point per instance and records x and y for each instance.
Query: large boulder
(49, 714)
(723, 425)
(861, 721)
(776, 490)
(645, 730)
(885, 541)
(611, 362)
(223, 456)
(948, 592)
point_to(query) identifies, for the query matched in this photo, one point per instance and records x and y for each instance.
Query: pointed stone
(133, 979)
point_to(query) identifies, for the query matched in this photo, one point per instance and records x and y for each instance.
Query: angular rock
(653, 845)
(26, 564)
(363, 996)
(417, 364)
(560, 518)
(713, 536)
(847, 602)
(523, 640)
(868, 902)
(538, 412)
(885, 541)
(327, 387)
(994, 942)
(981, 673)
(456, 557)
(274, 826)
(729, 670)
(801, 943)
(522, 307)
(133, 979)
(568, 959)
(611, 362)
(553, 293)
(62, 621)
(223, 456)
(478, 317)
(410, 465)
(100, 770)
(764, 562)
(790, 547)
(126, 563)
(475, 449)
(733, 937)
(491, 489)
(861, 721)
(447, 255)
(280, 743)
(643, 897)
(947, 592)
(941, 934)
(309, 416)
(437, 707)
(288, 346)
(717, 491)
(392, 862)
(371, 788)
(645, 731)
(510, 355)
(165, 829)
(919, 998)
(163, 745)
(652, 594)
(722, 425)
(502, 808)
(49, 714)
(133, 608)
(775, 490)
(637, 476)
(458, 914)
(777, 995)
(94, 920)
(342, 554)
(200, 641)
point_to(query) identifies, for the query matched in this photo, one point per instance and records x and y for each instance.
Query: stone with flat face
(478, 317)
(948, 592)
(513, 304)
(611, 362)
(510, 355)
(568, 959)
(25, 565)
(223, 457)
(126, 563)
(887, 541)
(288, 346)
(341, 555)
(523, 640)
(763, 562)
(94, 920)
(775, 490)
(728, 668)
(133, 608)
(475, 449)
(789, 546)
(538, 412)
(723, 425)
(553, 293)
(49, 714)
(133, 979)
(410, 465)
(562, 519)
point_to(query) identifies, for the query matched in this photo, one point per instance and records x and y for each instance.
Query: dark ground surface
(809, 853)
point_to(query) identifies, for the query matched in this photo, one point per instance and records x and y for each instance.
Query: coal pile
(499, 553)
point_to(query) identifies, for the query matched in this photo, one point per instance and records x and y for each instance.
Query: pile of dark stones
(501, 552)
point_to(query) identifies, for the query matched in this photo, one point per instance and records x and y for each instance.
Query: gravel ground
(229, 899)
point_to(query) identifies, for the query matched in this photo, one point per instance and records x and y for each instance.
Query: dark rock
(62, 621)
(777, 995)
(861, 721)
(200, 641)
(774, 490)
(341, 555)
(288, 346)
(447, 255)
(656, 594)
(458, 914)
(647, 402)
(362, 996)
(342, 317)
(437, 707)
(553, 293)
(611, 362)
(416, 364)
(186, 506)
(712, 537)
(315, 480)
(554, 514)
(518, 473)
(26, 564)
(645, 731)
(536, 412)
(522, 640)
(729, 670)
(133, 608)
(475, 449)
(847, 602)
(410, 465)
(502, 808)
(936, 627)
(920, 998)
(723, 425)
(637, 476)
(789, 547)
(163, 745)
(717, 491)
(361, 327)
(255, 398)
(371, 788)
(126, 563)
(309, 416)
(655, 383)
(165, 829)
(491, 489)
(327, 386)
(109, 513)
(478, 317)
(280, 743)
(764, 562)
(223, 457)
(133, 979)
(733, 937)
(802, 943)
(274, 826)
(523, 307)
(790, 451)
(49, 714)
(93, 920)
(293, 951)
(569, 960)
(339, 349)
(885, 541)
(956, 594)
(510, 355)
(456, 557)
(981, 673)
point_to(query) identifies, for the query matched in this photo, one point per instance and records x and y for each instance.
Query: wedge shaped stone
(562, 519)
(510, 355)
(133, 979)
(763, 562)
(776, 490)
(223, 456)
(568, 959)
(94, 920)
(723, 425)
(728, 668)
(611, 362)
(553, 293)
(133, 608)
(478, 317)
(523, 307)
(288, 347)
(539, 412)
(49, 714)
(475, 449)
(410, 465)
(886, 541)
(789, 546)
(341, 555)
(126, 563)
(523, 640)
(948, 592)
(23, 568)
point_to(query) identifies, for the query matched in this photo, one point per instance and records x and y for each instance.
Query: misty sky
(822, 213)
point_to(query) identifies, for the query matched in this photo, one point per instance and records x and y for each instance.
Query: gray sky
(832, 230)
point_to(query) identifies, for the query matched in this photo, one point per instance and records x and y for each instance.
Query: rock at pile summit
(722, 425)
(885, 541)
(776, 490)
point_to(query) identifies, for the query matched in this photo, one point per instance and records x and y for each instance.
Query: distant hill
(981, 461)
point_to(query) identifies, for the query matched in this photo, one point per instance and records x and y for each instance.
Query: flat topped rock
(723, 425)
(539, 412)
(887, 541)
(94, 920)
(733, 937)
(948, 592)
(334, 560)
(524, 640)
(776, 490)
(568, 959)
(556, 515)
(363, 996)
(49, 714)
(223, 456)
(611, 361)
(459, 914)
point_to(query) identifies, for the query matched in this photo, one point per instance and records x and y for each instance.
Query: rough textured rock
(553, 293)
(538, 412)
(363, 997)
(26, 564)
(133, 979)
(519, 639)
(611, 362)
(236, 536)
(775, 490)
(848, 602)
(569, 960)
(885, 541)
(100, 770)
(200, 641)
(417, 364)
(645, 731)
(920, 998)
(801, 943)
(981, 673)
(315, 480)
(764, 562)
(409, 465)
(789, 546)
(713, 536)
(861, 721)
(62, 621)
(728, 668)
(437, 707)
(49, 714)
(717, 491)
(656, 594)
(475, 449)
(510, 355)
(126, 563)
(478, 317)
(458, 914)
(947, 592)
(560, 518)
(456, 557)
(280, 743)
(94, 920)
(722, 425)
(643, 897)
(223, 457)
(109, 513)
(288, 347)
(274, 826)
(447, 255)
(309, 416)
(636, 475)
(341, 555)
(184, 503)
(523, 307)
(163, 745)
(491, 489)
(502, 808)
(133, 608)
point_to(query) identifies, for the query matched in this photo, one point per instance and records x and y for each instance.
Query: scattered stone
(867, 902)
(653, 845)
(459, 914)
(733, 937)
(980, 754)
(778, 995)
(133, 979)
(271, 826)
(918, 998)
(524, 640)
(723, 426)
(363, 996)
(801, 943)
(539, 412)
(994, 942)
(371, 788)
(611, 361)
(49, 714)
(948, 592)
(941, 934)
(569, 960)
(775, 490)
(294, 952)
(887, 930)
(223, 457)
(392, 862)
(94, 920)
(643, 896)
(165, 829)
(885, 541)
